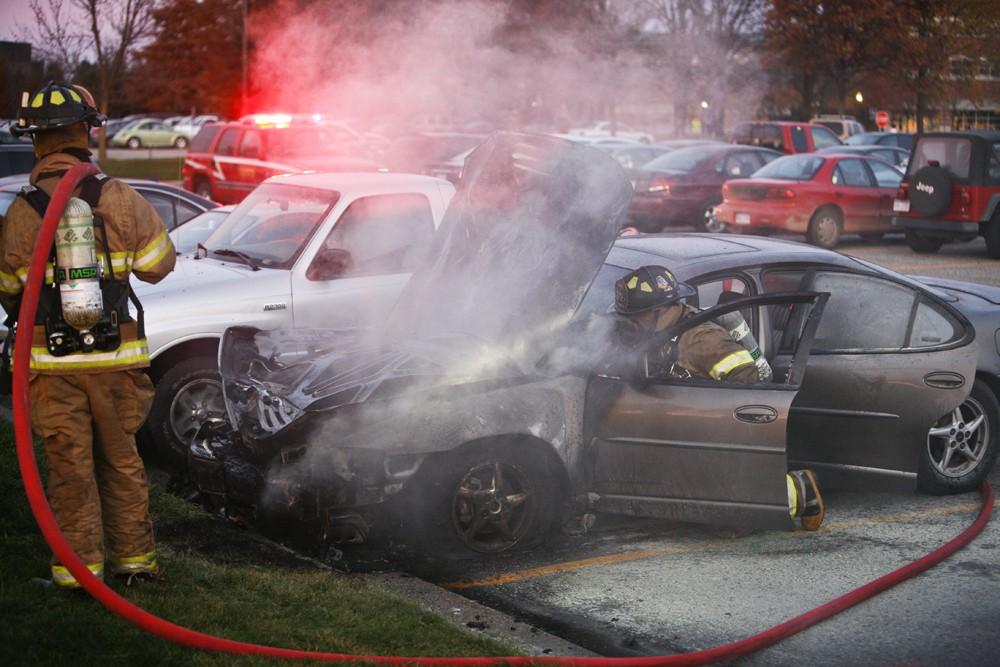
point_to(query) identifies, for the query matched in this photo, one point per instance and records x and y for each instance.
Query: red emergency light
(269, 119)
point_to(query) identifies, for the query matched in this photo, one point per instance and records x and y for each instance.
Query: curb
(455, 609)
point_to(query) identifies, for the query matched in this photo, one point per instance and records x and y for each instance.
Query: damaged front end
(328, 425)
(280, 387)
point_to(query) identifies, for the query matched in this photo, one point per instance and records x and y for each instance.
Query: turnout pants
(96, 481)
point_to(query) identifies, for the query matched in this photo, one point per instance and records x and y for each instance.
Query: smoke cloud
(460, 61)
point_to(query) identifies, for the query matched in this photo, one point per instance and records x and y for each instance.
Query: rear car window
(954, 154)
(993, 169)
(203, 139)
(886, 176)
(791, 168)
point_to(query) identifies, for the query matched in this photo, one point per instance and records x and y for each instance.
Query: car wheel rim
(493, 507)
(194, 404)
(712, 223)
(826, 230)
(958, 442)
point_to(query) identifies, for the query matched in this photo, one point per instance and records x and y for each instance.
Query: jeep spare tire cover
(930, 191)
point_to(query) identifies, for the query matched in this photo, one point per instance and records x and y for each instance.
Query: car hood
(191, 274)
(517, 250)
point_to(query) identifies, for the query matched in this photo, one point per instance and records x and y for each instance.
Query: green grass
(217, 579)
(157, 169)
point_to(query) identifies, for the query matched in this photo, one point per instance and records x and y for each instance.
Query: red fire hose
(186, 637)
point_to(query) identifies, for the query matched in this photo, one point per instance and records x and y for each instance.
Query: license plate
(901, 205)
(742, 219)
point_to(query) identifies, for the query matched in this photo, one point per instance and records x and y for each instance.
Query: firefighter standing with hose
(655, 300)
(89, 394)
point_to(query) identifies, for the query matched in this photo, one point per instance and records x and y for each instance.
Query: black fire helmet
(54, 105)
(648, 287)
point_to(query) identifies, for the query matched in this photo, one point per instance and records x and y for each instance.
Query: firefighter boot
(804, 499)
(143, 566)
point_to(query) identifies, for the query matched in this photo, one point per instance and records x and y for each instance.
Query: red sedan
(821, 196)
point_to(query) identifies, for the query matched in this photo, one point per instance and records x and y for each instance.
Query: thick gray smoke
(461, 60)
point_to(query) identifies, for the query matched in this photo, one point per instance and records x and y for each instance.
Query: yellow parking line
(641, 554)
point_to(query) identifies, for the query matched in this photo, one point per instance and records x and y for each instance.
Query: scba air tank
(740, 331)
(77, 274)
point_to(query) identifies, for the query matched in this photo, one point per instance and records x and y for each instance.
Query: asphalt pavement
(635, 587)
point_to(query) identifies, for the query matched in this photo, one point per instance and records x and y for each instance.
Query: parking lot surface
(651, 587)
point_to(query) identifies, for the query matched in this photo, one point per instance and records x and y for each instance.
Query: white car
(622, 131)
(302, 250)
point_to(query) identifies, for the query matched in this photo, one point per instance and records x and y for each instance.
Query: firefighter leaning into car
(654, 299)
(88, 391)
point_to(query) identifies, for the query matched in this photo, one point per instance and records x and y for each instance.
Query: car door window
(799, 140)
(885, 176)
(384, 234)
(864, 313)
(740, 165)
(227, 142)
(660, 358)
(932, 326)
(250, 145)
(822, 138)
(852, 173)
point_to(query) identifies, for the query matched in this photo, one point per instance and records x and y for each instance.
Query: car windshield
(684, 159)
(791, 168)
(186, 237)
(951, 153)
(272, 225)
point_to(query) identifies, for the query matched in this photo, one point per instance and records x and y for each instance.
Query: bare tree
(705, 46)
(110, 31)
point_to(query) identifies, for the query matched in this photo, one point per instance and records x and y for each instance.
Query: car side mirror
(329, 263)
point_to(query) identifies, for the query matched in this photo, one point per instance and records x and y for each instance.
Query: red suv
(951, 191)
(785, 136)
(225, 161)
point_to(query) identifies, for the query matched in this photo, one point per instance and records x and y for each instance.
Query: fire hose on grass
(190, 638)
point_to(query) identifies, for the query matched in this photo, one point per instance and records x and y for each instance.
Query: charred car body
(502, 395)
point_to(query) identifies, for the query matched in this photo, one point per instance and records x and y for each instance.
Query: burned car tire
(961, 446)
(930, 191)
(188, 395)
(484, 499)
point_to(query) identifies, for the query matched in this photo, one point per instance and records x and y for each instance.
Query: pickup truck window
(384, 234)
(273, 224)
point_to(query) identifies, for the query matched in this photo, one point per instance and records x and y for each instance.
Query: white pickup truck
(301, 250)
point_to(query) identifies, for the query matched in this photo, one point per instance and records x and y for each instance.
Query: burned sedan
(504, 396)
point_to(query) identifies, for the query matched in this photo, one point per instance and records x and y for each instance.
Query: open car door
(698, 450)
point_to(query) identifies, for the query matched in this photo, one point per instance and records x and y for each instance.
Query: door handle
(944, 380)
(756, 414)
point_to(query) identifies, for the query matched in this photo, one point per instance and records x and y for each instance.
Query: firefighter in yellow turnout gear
(656, 301)
(89, 394)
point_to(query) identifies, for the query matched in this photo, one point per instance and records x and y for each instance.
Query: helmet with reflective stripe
(55, 105)
(648, 287)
